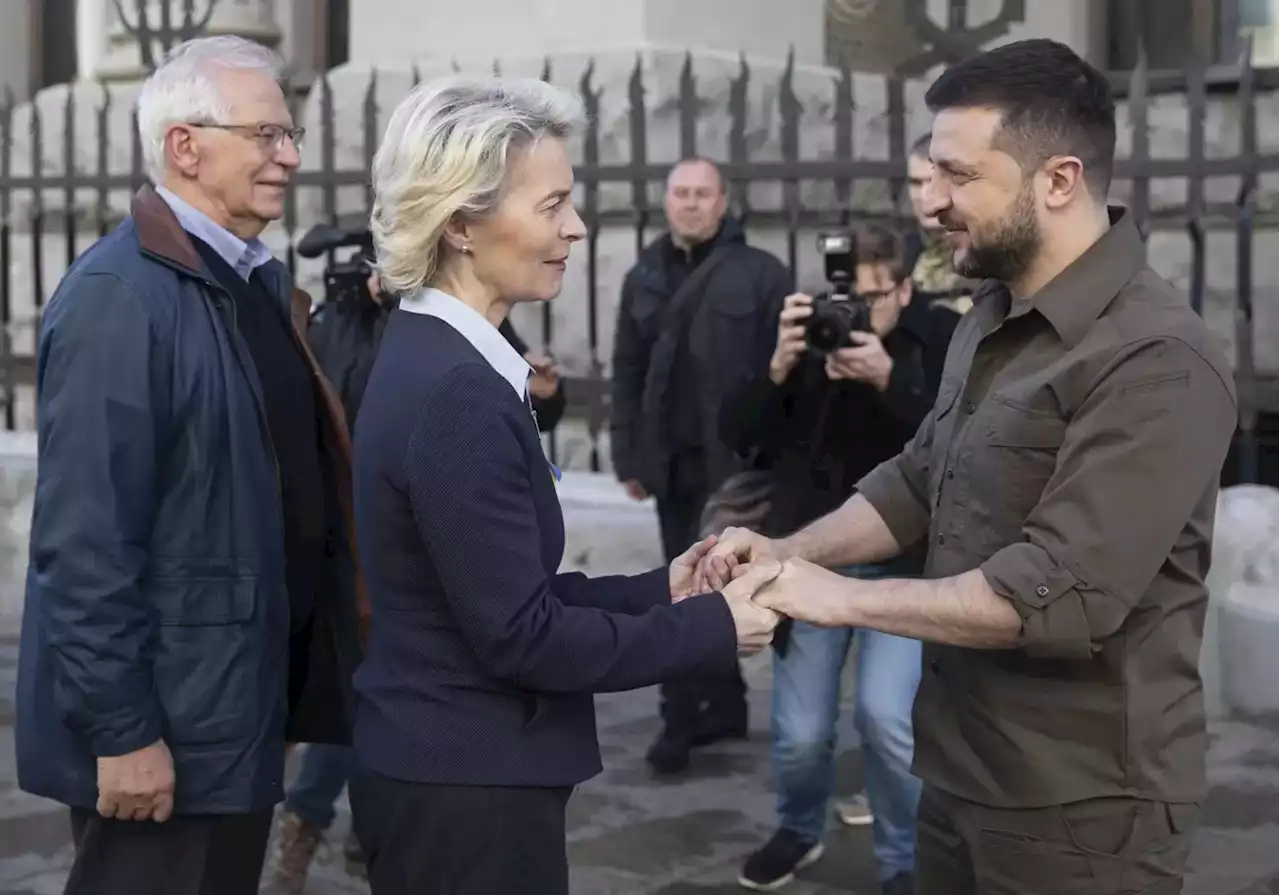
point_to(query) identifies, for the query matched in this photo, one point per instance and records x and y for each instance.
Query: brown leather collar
(159, 232)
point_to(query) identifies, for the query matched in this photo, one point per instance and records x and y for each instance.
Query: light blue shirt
(244, 257)
(473, 327)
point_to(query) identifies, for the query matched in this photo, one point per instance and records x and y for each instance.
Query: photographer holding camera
(845, 385)
(346, 327)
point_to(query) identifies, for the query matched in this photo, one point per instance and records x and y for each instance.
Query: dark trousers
(185, 855)
(422, 839)
(1095, 847)
(717, 700)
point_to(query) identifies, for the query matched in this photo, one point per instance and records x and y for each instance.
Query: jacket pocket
(209, 663)
(198, 602)
(1019, 456)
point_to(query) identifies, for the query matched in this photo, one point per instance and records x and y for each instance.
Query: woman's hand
(684, 570)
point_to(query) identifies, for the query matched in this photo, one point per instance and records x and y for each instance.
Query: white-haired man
(191, 598)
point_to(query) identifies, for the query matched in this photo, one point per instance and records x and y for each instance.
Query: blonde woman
(475, 716)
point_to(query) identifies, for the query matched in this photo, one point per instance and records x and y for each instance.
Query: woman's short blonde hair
(446, 151)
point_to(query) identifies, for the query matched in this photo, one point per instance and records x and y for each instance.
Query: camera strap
(678, 315)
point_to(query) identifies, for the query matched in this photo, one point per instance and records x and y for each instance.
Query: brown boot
(296, 845)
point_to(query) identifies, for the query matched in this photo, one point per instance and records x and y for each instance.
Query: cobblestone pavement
(630, 835)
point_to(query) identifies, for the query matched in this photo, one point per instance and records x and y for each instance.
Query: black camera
(841, 312)
(342, 279)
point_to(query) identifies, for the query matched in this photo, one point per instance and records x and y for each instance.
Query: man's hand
(755, 625)
(866, 362)
(795, 310)
(545, 379)
(734, 547)
(635, 490)
(137, 786)
(809, 593)
(374, 285)
(684, 570)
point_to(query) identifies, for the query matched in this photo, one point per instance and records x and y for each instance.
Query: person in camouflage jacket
(934, 279)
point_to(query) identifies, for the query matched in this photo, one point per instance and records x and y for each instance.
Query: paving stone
(632, 835)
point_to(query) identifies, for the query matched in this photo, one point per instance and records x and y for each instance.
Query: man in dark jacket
(191, 596)
(689, 305)
(818, 422)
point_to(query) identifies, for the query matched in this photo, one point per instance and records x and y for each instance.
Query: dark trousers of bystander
(695, 705)
(1112, 846)
(185, 855)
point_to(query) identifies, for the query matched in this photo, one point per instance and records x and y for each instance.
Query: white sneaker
(855, 812)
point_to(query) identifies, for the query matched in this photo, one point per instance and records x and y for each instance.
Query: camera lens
(826, 329)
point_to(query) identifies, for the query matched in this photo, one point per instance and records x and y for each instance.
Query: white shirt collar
(472, 325)
(244, 257)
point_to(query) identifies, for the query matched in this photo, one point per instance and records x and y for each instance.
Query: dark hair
(875, 244)
(1051, 102)
(920, 148)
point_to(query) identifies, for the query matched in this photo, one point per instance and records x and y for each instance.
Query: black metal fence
(841, 170)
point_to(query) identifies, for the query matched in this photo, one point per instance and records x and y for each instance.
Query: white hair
(446, 151)
(185, 88)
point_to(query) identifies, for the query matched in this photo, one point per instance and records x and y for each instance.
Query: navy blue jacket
(156, 605)
(481, 659)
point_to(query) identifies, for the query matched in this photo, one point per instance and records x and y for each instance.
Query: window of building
(1176, 31)
(337, 50)
(55, 62)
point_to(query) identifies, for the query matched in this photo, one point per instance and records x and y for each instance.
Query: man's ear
(1065, 175)
(181, 150)
(906, 289)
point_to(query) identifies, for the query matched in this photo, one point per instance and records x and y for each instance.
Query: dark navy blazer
(482, 659)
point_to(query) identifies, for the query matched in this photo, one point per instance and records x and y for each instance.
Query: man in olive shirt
(1066, 481)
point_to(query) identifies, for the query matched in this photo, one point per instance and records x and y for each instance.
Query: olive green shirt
(1073, 455)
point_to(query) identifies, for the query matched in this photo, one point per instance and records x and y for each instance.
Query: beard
(1009, 246)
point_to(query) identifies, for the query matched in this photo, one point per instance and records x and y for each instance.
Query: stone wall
(610, 72)
(17, 493)
(605, 531)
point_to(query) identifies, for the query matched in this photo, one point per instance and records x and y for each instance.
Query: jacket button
(969, 407)
(942, 539)
(1042, 591)
(935, 666)
(951, 472)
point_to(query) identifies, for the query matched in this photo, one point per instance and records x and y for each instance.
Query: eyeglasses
(880, 295)
(269, 136)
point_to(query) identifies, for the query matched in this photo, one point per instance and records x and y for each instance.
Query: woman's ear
(457, 234)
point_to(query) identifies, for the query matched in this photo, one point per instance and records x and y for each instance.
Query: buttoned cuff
(904, 512)
(1046, 596)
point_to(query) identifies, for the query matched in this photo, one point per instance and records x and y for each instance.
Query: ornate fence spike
(193, 25)
(167, 33)
(140, 30)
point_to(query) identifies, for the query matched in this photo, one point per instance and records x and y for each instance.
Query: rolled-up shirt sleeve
(898, 489)
(1141, 452)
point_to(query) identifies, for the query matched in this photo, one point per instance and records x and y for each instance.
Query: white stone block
(606, 533)
(1239, 660)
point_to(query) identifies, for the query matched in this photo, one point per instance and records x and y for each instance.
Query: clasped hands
(759, 580)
